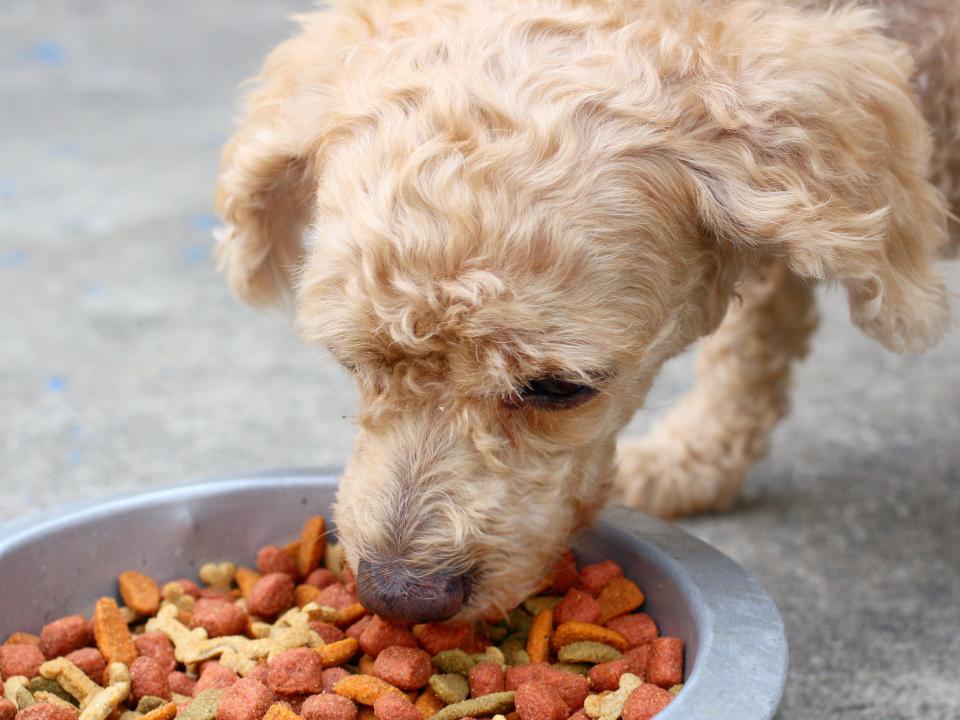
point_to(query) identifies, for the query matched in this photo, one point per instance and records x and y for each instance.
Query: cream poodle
(503, 216)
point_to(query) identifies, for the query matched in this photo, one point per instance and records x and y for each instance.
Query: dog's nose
(391, 590)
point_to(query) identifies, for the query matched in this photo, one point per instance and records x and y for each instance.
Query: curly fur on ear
(819, 156)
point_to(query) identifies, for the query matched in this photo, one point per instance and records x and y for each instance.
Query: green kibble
(478, 707)
(41, 684)
(578, 668)
(519, 621)
(203, 707)
(588, 652)
(150, 702)
(451, 688)
(494, 632)
(453, 662)
(514, 649)
(675, 690)
(24, 698)
(491, 654)
(540, 603)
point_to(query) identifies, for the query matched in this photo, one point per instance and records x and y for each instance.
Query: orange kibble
(365, 666)
(538, 642)
(350, 614)
(305, 594)
(246, 579)
(22, 638)
(364, 689)
(573, 631)
(313, 542)
(428, 704)
(164, 712)
(112, 634)
(292, 550)
(618, 598)
(140, 592)
(281, 712)
(337, 653)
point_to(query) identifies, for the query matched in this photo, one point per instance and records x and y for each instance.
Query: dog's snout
(391, 590)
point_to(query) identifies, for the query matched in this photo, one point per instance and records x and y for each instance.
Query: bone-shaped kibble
(218, 576)
(71, 678)
(49, 698)
(173, 592)
(236, 652)
(15, 690)
(102, 705)
(608, 706)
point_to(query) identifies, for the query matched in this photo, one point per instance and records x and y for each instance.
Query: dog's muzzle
(392, 591)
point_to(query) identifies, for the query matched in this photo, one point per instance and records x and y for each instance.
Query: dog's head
(514, 226)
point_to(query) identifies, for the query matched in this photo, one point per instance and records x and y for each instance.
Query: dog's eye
(554, 393)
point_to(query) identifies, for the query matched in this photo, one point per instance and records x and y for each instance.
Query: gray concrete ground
(125, 364)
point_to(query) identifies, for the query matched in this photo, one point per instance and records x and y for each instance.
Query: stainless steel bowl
(61, 561)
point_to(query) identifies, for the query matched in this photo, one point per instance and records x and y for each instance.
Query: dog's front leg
(696, 459)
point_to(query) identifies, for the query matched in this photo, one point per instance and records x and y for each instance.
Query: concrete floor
(125, 364)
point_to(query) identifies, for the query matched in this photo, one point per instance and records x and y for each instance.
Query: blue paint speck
(204, 221)
(196, 253)
(14, 258)
(48, 52)
(56, 384)
(8, 188)
(75, 456)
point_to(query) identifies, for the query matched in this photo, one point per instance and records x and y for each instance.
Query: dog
(503, 216)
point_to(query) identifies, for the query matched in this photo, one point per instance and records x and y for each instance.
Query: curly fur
(508, 189)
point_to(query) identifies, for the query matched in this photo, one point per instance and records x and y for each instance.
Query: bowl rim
(730, 604)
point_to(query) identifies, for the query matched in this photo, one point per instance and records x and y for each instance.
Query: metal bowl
(61, 561)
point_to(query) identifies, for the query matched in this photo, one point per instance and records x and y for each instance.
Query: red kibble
(219, 618)
(638, 628)
(271, 559)
(271, 595)
(246, 699)
(645, 702)
(90, 661)
(47, 711)
(665, 662)
(336, 596)
(214, 676)
(331, 676)
(486, 678)
(63, 636)
(182, 684)
(606, 676)
(329, 633)
(356, 630)
(380, 634)
(395, 707)
(404, 667)
(328, 707)
(156, 645)
(580, 715)
(573, 688)
(437, 637)
(577, 606)
(565, 574)
(595, 577)
(8, 711)
(147, 677)
(260, 672)
(539, 701)
(189, 587)
(20, 660)
(321, 578)
(297, 671)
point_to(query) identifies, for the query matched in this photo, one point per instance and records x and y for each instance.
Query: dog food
(288, 640)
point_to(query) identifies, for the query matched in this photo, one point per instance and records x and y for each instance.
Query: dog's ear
(817, 154)
(267, 181)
